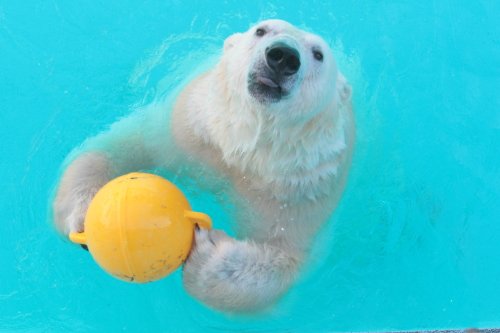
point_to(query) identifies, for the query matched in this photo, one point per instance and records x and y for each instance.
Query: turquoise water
(415, 242)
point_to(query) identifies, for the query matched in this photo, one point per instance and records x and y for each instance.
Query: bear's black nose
(282, 59)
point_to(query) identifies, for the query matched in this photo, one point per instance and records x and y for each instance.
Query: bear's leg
(110, 154)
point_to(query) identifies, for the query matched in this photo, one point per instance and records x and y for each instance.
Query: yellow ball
(139, 227)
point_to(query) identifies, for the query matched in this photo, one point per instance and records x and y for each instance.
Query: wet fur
(287, 163)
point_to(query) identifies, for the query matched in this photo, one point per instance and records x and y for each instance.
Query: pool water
(415, 242)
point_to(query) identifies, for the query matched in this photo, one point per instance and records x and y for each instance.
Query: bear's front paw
(213, 268)
(80, 182)
(69, 213)
(209, 247)
(233, 275)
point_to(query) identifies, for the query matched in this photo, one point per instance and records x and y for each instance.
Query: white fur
(286, 161)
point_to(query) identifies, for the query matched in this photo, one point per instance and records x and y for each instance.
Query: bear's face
(280, 67)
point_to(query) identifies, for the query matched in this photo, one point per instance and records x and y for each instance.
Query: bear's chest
(293, 170)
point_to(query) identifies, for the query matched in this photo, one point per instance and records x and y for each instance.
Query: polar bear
(272, 122)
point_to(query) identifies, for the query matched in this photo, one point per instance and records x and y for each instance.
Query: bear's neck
(290, 154)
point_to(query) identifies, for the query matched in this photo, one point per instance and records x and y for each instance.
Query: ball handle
(78, 238)
(201, 219)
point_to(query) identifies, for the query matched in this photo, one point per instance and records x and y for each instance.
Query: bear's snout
(282, 59)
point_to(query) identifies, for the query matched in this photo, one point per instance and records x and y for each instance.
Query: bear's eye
(318, 55)
(260, 32)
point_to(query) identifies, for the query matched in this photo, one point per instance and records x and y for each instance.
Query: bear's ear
(344, 88)
(231, 40)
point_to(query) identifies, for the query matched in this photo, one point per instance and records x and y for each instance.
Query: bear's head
(281, 68)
